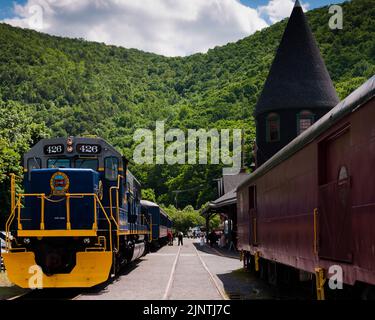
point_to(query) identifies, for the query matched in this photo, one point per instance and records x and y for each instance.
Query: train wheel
(273, 270)
(263, 269)
(245, 260)
(116, 265)
(249, 262)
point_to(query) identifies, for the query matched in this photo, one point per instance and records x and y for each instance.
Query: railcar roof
(351, 103)
(150, 204)
(147, 203)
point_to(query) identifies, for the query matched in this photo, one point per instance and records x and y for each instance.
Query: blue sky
(6, 8)
(171, 28)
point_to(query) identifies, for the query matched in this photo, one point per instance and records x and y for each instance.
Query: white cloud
(277, 10)
(168, 27)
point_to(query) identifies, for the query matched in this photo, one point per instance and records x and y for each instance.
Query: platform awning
(221, 204)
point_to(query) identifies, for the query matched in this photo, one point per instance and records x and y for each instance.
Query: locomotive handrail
(43, 197)
(117, 188)
(12, 191)
(109, 221)
(8, 223)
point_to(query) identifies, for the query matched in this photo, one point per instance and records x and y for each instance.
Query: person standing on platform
(170, 238)
(212, 238)
(201, 242)
(180, 238)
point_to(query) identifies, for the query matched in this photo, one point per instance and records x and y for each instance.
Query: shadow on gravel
(242, 284)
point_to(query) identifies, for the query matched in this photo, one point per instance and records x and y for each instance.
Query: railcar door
(335, 198)
(252, 215)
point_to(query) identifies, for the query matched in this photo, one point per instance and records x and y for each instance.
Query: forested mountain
(51, 86)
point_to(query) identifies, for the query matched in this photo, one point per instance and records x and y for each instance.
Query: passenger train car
(79, 218)
(312, 205)
(161, 223)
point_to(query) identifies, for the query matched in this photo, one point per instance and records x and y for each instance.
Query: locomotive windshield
(58, 163)
(66, 163)
(87, 164)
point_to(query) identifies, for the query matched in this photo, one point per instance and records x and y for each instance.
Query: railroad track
(212, 277)
(171, 277)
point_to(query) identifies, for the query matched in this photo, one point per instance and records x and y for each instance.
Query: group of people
(180, 237)
(212, 238)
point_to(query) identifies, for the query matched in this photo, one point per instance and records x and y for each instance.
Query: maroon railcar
(312, 205)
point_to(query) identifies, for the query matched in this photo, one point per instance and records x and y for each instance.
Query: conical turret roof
(298, 77)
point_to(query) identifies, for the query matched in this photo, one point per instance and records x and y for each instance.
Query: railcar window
(273, 127)
(87, 164)
(305, 120)
(58, 163)
(111, 168)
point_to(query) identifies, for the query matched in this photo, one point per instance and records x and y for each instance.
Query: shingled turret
(297, 92)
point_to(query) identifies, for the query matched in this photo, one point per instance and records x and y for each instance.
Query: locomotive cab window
(34, 163)
(305, 120)
(111, 168)
(58, 163)
(87, 164)
(273, 127)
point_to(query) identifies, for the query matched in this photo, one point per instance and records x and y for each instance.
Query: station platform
(188, 272)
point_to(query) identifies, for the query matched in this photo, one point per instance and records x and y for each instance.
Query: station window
(111, 168)
(87, 164)
(273, 127)
(58, 163)
(305, 120)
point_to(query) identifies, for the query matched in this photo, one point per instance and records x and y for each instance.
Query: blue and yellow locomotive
(79, 219)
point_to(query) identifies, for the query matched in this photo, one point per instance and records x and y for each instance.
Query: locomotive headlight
(26, 240)
(86, 241)
(69, 142)
(69, 149)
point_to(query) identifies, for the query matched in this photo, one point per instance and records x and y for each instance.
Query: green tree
(148, 194)
(184, 219)
(18, 132)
